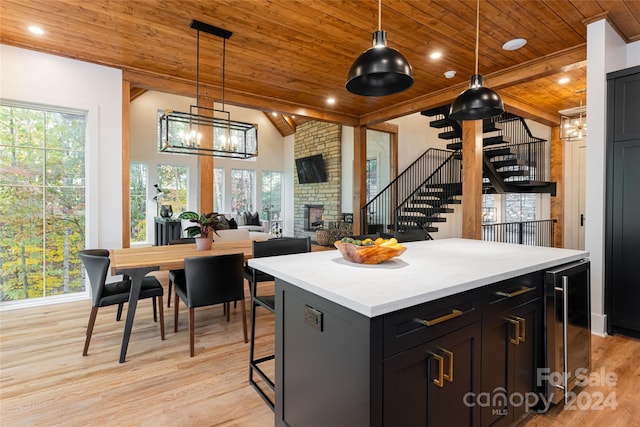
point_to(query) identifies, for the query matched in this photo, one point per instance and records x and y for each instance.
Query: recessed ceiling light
(450, 74)
(564, 80)
(35, 30)
(274, 114)
(331, 101)
(514, 44)
(436, 55)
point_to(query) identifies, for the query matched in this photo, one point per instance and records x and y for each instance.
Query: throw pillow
(233, 225)
(252, 218)
(223, 223)
(240, 219)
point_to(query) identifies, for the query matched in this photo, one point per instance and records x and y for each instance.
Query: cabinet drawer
(415, 325)
(511, 293)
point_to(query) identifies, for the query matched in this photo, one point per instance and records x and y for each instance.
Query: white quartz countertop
(427, 271)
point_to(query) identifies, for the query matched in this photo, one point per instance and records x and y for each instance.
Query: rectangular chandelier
(573, 123)
(181, 133)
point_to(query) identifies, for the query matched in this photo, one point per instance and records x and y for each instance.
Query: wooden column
(472, 179)
(205, 163)
(126, 168)
(557, 176)
(359, 176)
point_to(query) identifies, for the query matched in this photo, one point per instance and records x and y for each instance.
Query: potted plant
(206, 223)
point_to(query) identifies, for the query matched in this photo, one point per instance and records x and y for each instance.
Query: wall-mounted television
(311, 169)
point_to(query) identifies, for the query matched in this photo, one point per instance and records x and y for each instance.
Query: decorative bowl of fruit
(369, 251)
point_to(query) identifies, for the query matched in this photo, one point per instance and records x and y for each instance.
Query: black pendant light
(380, 70)
(477, 102)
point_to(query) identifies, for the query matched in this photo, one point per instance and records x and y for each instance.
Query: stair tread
(440, 123)
(443, 109)
(452, 134)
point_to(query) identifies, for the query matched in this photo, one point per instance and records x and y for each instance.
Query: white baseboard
(599, 324)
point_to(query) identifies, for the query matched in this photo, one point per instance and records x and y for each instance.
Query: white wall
(606, 52)
(144, 147)
(33, 77)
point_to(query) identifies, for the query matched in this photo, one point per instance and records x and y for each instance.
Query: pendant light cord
(477, 33)
(224, 57)
(197, 70)
(379, 15)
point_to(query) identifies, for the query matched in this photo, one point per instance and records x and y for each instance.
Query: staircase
(513, 162)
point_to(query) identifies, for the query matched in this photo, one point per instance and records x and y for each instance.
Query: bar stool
(273, 247)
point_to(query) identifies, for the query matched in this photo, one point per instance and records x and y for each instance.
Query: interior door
(581, 148)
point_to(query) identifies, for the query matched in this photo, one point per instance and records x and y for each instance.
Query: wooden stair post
(472, 179)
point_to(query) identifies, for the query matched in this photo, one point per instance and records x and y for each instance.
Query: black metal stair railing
(522, 158)
(417, 196)
(534, 233)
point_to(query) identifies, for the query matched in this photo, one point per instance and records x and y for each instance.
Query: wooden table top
(171, 257)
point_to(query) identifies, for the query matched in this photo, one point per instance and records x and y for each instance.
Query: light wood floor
(45, 381)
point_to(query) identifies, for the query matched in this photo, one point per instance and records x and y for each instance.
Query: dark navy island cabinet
(420, 366)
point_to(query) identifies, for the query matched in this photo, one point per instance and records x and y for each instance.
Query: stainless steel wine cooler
(568, 328)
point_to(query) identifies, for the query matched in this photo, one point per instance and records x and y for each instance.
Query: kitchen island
(373, 345)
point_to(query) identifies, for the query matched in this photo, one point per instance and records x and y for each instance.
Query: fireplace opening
(313, 217)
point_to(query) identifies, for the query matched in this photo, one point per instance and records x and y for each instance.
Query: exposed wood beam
(126, 158)
(545, 66)
(359, 176)
(205, 163)
(178, 86)
(527, 110)
(472, 179)
(135, 92)
(290, 122)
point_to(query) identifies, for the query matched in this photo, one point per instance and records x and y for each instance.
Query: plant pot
(322, 237)
(203, 243)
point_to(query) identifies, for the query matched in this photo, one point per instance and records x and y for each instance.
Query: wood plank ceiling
(290, 56)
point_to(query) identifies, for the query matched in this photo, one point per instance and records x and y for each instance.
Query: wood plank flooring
(45, 381)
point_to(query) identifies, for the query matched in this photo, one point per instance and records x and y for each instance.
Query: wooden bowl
(373, 254)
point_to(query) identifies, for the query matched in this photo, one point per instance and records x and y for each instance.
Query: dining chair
(272, 247)
(174, 273)
(96, 262)
(210, 280)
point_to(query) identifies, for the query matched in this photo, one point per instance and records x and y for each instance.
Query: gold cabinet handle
(440, 380)
(454, 313)
(522, 290)
(449, 375)
(521, 335)
(516, 324)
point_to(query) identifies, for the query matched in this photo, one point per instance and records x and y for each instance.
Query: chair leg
(244, 320)
(228, 307)
(119, 314)
(192, 325)
(160, 303)
(92, 321)
(155, 310)
(169, 294)
(175, 312)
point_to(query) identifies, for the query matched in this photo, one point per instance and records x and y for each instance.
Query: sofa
(239, 234)
(244, 221)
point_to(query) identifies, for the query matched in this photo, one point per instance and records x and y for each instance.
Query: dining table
(137, 262)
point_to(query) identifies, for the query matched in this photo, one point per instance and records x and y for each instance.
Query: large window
(271, 194)
(138, 190)
(520, 207)
(372, 178)
(42, 201)
(173, 181)
(243, 188)
(218, 189)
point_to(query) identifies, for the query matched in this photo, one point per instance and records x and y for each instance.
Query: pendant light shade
(477, 102)
(380, 70)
